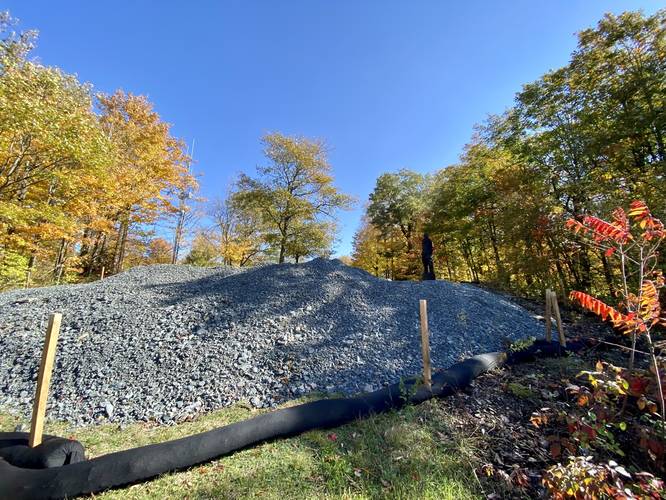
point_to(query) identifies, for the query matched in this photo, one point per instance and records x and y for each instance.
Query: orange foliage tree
(150, 166)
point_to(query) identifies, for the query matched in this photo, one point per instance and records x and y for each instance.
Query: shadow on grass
(406, 454)
(412, 453)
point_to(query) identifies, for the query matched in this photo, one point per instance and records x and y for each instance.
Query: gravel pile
(165, 342)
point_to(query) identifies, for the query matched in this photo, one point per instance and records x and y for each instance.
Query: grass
(414, 453)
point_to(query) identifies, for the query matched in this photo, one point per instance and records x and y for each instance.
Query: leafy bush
(582, 478)
(639, 310)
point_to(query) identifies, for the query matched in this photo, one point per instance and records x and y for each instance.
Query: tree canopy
(582, 138)
(79, 172)
(293, 196)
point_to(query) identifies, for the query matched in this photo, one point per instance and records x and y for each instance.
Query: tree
(594, 129)
(150, 165)
(74, 171)
(159, 252)
(239, 234)
(580, 139)
(397, 202)
(397, 209)
(310, 239)
(203, 252)
(54, 155)
(184, 217)
(294, 190)
(379, 253)
(366, 251)
(640, 310)
(14, 47)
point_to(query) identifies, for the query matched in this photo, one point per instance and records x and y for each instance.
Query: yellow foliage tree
(149, 167)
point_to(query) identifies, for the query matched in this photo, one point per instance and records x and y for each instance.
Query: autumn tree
(53, 155)
(149, 167)
(380, 252)
(293, 191)
(582, 138)
(78, 172)
(203, 252)
(159, 251)
(237, 231)
(366, 248)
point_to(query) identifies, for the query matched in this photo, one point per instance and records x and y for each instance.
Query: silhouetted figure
(426, 258)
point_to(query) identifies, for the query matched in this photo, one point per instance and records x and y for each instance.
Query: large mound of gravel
(164, 342)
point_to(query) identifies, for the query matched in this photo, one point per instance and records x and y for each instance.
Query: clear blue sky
(387, 84)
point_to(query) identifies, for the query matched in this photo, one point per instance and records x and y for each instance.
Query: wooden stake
(45, 369)
(425, 344)
(27, 280)
(101, 276)
(547, 315)
(558, 319)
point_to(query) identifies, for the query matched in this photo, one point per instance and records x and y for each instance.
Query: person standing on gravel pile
(426, 258)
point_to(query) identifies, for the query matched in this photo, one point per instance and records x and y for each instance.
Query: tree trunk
(467, 253)
(445, 258)
(85, 246)
(99, 258)
(178, 235)
(60, 260)
(121, 244)
(558, 266)
(492, 233)
(283, 241)
(407, 233)
(92, 255)
(586, 267)
(608, 274)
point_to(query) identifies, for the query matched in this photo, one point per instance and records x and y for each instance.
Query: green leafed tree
(311, 239)
(397, 203)
(292, 194)
(203, 252)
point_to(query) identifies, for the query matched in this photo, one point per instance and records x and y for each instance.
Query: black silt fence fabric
(22, 478)
(52, 452)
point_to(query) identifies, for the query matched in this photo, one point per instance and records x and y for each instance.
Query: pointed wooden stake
(558, 319)
(101, 276)
(548, 319)
(425, 344)
(45, 369)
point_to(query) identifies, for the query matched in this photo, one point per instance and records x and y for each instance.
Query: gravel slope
(164, 342)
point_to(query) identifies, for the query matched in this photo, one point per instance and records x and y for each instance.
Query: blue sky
(387, 84)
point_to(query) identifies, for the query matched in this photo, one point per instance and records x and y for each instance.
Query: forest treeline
(86, 178)
(93, 184)
(582, 139)
(80, 173)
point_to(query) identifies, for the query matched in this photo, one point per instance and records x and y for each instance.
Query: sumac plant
(634, 239)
